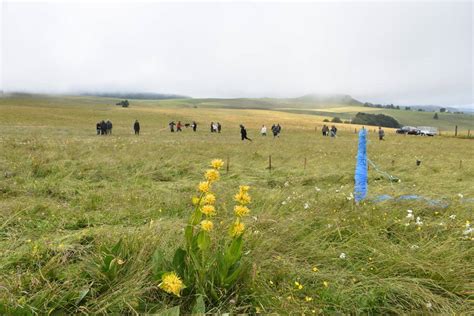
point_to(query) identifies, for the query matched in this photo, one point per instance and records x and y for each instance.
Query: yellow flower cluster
(243, 197)
(171, 283)
(207, 200)
(207, 225)
(240, 210)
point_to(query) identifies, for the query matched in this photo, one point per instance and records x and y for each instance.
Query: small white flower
(418, 221)
(460, 195)
(467, 231)
(428, 305)
(337, 191)
(329, 225)
(317, 189)
(286, 184)
(441, 224)
(414, 247)
(452, 216)
(306, 206)
(342, 255)
(283, 203)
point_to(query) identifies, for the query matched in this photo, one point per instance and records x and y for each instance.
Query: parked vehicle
(428, 130)
(410, 130)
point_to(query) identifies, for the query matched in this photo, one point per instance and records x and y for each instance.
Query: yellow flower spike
(207, 225)
(211, 175)
(204, 186)
(241, 210)
(208, 210)
(217, 163)
(298, 285)
(326, 283)
(171, 283)
(209, 198)
(237, 229)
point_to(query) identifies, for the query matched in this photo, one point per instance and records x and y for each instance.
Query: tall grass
(67, 197)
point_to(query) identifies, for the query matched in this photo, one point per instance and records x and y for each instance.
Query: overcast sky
(389, 52)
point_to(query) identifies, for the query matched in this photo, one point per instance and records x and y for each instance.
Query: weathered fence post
(468, 133)
(460, 164)
(228, 164)
(304, 163)
(456, 131)
(393, 163)
(270, 162)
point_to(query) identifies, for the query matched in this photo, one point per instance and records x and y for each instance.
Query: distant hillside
(135, 95)
(342, 99)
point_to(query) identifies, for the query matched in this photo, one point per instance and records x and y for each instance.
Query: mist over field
(389, 52)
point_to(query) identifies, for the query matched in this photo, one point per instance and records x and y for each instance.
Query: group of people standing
(179, 126)
(329, 132)
(104, 127)
(276, 130)
(216, 127)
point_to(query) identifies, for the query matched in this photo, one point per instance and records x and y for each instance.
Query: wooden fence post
(270, 162)
(456, 131)
(228, 164)
(304, 163)
(460, 164)
(468, 133)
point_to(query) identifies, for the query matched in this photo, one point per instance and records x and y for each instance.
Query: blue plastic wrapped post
(360, 188)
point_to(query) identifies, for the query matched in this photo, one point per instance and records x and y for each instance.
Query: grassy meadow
(67, 194)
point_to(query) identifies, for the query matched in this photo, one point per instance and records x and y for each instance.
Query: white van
(428, 130)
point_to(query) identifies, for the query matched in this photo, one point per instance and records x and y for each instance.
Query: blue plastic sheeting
(360, 188)
(386, 197)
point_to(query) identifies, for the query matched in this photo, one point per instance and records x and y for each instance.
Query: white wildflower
(342, 255)
(287, 184)
(460, 195)
(452, 216)
(317, 189)
(414, 247)
(428, 305)
(306, 206)
(418, 221)
(283, 203)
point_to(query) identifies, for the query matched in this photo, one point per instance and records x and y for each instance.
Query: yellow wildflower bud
(244, 188)
(308, 298)
(208, 210)
(315, 269)
(237, 229)
(326, 283)
(207, 225)
(204, 186)
(212, 175)
(217, 163)
(195, 200)
(171, 283)
(209, 198)
(241, 210)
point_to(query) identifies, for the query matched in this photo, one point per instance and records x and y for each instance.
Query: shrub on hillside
(375, 119)
(336, 120)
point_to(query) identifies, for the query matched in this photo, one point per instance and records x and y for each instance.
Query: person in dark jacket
(179, 126)
(97, 128)
(381, 133)
(136, 127)
(109, 127)
(171, 125)
(194, 125)
(103, 127)
(243, 133)
(219, 127)
(212, 127)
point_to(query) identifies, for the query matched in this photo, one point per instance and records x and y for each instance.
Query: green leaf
(188, 235)
(173, 311)
(199, 306)
(159, 264)
(116, 249)
(196, 217)
(82, 294)
(179, 261)
(230, 280)
(234, 252)
(203, 240)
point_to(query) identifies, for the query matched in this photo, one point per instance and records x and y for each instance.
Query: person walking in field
(212, 127)
(103, 127)
(97, 128)
(243, 133)
(325, 130)
(263, 131)
(171, 125)
(333, 131)
(179, 126)
(136, 127)
(219, 127)
(194, 126)
(381, 133)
